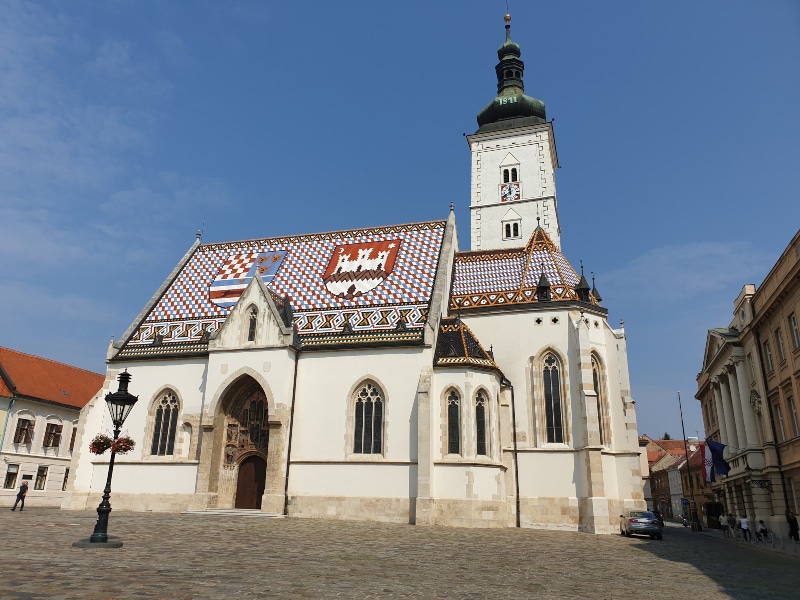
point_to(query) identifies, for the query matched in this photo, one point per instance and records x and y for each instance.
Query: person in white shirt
(745, 527)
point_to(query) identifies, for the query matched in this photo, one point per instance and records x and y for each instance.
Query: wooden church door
(250, 482)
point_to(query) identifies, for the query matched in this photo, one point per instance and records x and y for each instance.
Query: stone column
(730, 421)
(723, 427)
(733, 390)
(424, 504)
(750, 429)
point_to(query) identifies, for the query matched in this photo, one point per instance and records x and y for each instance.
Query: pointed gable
(501, 277)
(36, 378)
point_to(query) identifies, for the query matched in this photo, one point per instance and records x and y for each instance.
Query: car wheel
(652, 537)
(621, 531)
(659, 537)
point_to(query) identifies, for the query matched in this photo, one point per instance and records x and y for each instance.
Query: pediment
(509, 161)
(716, 342)
(511, 215)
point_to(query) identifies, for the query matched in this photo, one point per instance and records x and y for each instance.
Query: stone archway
(246, 447)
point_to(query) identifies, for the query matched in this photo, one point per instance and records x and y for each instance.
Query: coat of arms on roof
(238, 270)
(355, 269)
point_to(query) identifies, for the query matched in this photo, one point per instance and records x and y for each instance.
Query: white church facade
(382, 373)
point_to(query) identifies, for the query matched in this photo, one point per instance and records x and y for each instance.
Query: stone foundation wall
(387, 510)
(550, 513)
(451, 512)
(131, 502)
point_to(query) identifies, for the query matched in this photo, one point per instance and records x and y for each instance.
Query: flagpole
(696, 526)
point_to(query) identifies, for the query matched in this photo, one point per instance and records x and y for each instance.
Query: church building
(383, 373)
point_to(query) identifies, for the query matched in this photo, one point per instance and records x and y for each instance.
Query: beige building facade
(748, 389)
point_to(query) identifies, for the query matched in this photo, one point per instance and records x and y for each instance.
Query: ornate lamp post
(120, 404)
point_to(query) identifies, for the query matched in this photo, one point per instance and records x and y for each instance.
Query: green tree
(666, 436)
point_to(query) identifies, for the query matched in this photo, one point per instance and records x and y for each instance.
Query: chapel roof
(36, 378)
(510, 276)
(354, 287)
(456, 345)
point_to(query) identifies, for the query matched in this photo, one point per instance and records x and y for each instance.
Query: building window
(602, 403)
(24, 432)
(66, 477)
(792, 494)
(752, 366)
(513, 175)
(166, 421)
(11, 477)
(41, 478)
(779, 342)
(794, 416)
(795, 332)
(72, 437)
(368, 421)
(511, 230)
(52, 435)
(552, 400)
(453, 423)
(768, 356)
(480, 424)
(251, 331)
(779, 413)
(505, 176)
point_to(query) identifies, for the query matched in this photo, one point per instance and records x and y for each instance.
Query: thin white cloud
(673, 274)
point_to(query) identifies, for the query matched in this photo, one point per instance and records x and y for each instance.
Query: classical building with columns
(381, 373)
(748, 389)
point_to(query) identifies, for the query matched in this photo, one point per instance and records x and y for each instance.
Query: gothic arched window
(480, 424)
(368, 430)
(251, 331)
(513, 174)
(453, 423)
(505, 175)
(552, 400)
(166, 420)
(602, 402)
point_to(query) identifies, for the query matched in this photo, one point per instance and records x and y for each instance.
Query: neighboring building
(664, 457)
(383, 374)
(40, 401)
(699, 492)
(748, 389)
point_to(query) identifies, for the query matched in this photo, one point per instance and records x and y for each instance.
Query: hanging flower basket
(102, 442)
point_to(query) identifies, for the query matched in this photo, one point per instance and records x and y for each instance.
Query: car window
(645, 514)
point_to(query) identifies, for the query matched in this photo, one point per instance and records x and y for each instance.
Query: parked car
(640, 522)
(659, 517)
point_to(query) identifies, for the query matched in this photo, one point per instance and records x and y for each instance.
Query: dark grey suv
(642, 522)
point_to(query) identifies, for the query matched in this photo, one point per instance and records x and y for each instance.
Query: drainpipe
(771, 420)
(507, 383)
(291, 430)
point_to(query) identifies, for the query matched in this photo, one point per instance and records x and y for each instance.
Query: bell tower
(513, 162)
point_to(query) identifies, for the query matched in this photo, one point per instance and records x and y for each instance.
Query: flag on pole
(708, 462)
(716, 449)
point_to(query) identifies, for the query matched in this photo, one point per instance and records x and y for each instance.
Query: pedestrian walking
(23, 491)
(793, 527)
(723, 524)
(745, 527)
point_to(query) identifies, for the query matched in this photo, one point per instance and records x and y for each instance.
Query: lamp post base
(88, 544)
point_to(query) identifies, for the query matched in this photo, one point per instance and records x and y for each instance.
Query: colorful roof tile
(487, 278)
(28, 376)
(456, 345)
(346, 287)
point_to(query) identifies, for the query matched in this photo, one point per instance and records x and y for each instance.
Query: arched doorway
(246, 444)
(250, 482)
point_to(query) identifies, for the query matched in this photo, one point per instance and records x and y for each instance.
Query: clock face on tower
(510, 191)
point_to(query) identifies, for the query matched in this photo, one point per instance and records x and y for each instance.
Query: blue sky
(126, 126)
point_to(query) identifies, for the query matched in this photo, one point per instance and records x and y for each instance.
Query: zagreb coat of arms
(355, 269)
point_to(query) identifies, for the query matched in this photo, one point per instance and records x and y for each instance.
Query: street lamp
(120, 404)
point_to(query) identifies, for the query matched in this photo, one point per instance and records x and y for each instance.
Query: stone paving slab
(186, 556)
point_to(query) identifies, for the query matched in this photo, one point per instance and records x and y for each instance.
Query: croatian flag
(708, 462)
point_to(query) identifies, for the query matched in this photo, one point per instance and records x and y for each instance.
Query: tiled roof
(42, 379)
(457, 345)
(486, 278)
(345, 287)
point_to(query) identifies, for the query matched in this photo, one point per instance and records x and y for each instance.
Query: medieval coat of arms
(238, 270)
(355, 269)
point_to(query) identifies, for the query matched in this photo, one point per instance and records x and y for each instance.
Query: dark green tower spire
(511, 107)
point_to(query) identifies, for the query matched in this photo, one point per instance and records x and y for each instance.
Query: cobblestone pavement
(189, 556)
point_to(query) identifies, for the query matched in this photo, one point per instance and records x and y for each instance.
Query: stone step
(232, 512)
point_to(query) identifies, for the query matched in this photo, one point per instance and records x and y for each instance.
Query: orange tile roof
(43, 379)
